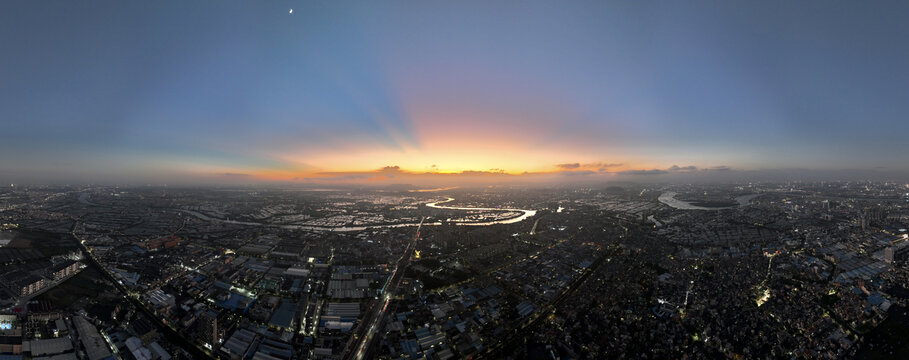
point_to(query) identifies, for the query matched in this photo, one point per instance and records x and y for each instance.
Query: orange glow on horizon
(405, 174)
(450, 146)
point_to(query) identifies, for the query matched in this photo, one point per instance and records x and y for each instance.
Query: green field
(79, 287)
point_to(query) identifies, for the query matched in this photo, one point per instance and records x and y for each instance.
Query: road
(169, 332)
(535, 223)
(374, 320)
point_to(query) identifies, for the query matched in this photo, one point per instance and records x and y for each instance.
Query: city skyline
(442, 180)
(448, 93)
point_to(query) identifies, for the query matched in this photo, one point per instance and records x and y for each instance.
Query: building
(10, 335)
(283, 317)
(238, 346)
(138, 351)
(46, 347)
(159, 352)
(898, 252)
(164, 242)
(64, 269)
(160, 299)
(95, 346)
(208, 329)
(23, 284)
(40, 313)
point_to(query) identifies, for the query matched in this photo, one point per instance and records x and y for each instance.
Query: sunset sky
(422, 91)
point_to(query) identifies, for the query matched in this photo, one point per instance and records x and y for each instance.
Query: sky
(449, 92)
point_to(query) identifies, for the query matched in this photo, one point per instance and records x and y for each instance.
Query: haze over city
(440, 180)
(397, 92)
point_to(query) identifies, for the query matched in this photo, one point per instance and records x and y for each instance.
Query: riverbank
(524, 215)
(668, 198)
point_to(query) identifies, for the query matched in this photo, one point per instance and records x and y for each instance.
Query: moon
(291, 11)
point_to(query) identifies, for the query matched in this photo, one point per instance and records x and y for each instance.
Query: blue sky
(174, 90)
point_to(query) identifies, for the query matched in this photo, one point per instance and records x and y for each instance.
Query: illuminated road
(535, 223)
(374, 320)
(169, 332)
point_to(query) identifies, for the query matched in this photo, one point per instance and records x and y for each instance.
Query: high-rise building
(208, 329)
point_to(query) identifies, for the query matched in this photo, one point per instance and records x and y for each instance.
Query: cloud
(597, 166)
(384, 173)
(577, 173)
(643, 172)
(719, 168)
(677, 168)
(483, 173)
(602, 165)
(230, 174)
(674, 169)
(586, 168)
(339, 177)
(568, 166)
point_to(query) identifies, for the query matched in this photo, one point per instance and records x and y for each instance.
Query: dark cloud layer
(643, 172)
(569, 166)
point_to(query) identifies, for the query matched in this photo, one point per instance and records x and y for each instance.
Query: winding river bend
(525, 214)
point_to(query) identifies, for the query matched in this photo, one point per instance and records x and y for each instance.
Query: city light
(454, 180)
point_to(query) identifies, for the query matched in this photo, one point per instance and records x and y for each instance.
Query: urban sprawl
(795, 270)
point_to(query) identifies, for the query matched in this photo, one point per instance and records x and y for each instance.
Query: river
(84, 198)
(525, 214)
(668, 198)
